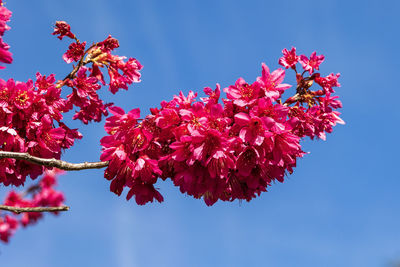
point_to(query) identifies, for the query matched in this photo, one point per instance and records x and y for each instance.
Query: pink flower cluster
(5, 54)
(84, 95)
(8, 226)
(31, 113)
(212, 148)
(84, 86)
(43, 195)
(28, 114)
(220, 151)
(313, 113)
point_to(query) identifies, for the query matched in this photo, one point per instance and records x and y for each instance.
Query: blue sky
(339, 208)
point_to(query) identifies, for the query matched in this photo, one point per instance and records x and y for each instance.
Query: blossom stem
(18, 210)
(60, 164)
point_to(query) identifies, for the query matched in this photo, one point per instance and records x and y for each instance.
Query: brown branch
(18, 210)
(60, 164)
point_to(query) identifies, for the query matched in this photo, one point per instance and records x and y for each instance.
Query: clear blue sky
(339, 208)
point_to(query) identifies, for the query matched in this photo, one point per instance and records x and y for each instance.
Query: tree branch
(18, 210)
(60, 164)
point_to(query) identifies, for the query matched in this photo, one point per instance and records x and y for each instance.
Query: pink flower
(74, 52)
(252, 130)
(129, 164)
(108, 44)
(195, 117)
(5, 16)
(84, 95)
(5, 54)
(206, 144)
(46, 140)
(302, 122)
(130, 73)
(182, 149)
(266, 108)
(146, 169)
(8, 225)
(247, 160)
(70, 136)
(121, 124)
(168, 118)
(52, 95)
(43, 194)
(328, 82)
(213, 95)
(144, 193)
(214, 151)
(23, 96)
(289, 59)
(271, 83)
(131, 69)
(63, 29)
(313, 63)
(219, 164)
(184, 101)
(242, 93)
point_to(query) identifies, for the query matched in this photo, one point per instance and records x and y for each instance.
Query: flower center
(21, 98)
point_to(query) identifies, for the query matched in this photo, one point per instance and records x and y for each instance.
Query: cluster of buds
(215, 151)
(42, 194)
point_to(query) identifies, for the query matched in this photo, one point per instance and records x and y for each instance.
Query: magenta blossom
(5, 54)
(313, 63)
(75, 52)
(289, 59)
(271, 83)
(63, 29)
(218, 151)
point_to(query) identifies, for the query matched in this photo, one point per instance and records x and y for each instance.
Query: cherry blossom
(289, 58)
(211, 148)
(311, 64)
(219, 152)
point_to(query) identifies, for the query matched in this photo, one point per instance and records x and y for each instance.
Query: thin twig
(18, 210)
(60, 164)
